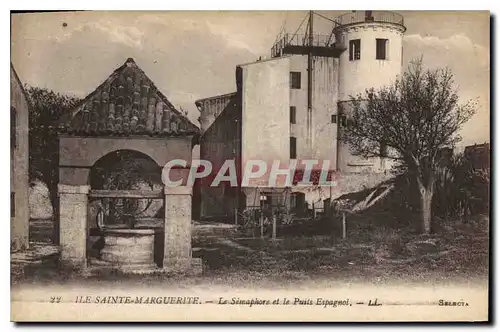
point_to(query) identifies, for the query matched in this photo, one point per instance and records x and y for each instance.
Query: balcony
(322, 45)
(368, 16)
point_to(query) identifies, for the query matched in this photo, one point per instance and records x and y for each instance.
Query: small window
(295, 80)
(381, 49)
(12, 204)
(13, 124)
(293, 113)
(334, 118)
(293, 148)
(354, 49)
(343, 120)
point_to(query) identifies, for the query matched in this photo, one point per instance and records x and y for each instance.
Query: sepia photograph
(250, 166)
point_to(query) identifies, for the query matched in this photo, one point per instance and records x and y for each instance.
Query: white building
(294, 105)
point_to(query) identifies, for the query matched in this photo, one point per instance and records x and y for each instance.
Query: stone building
(125, 121)
(19, 126)
(294, 105)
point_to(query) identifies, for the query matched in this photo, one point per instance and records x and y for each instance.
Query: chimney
(130, 62)
(368, 16)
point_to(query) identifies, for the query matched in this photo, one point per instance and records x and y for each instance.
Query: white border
(191, 5)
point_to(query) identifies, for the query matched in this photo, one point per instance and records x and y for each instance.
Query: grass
(455, 249)
(371, 253)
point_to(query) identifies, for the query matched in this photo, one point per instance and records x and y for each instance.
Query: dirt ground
(369, 253)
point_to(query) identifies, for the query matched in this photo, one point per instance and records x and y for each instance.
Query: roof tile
(127, 103)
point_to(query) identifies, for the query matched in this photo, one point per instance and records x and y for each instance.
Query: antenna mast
(310, 79)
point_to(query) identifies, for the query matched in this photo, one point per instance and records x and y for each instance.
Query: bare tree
(410, 121)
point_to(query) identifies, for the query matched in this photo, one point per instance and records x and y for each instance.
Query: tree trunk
(426, 208)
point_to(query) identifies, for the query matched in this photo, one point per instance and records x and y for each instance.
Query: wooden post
(333, 219)
(236, 216)
(261, 226)
(344, 231)
(274, 227)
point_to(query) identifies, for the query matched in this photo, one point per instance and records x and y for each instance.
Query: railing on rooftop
(289, 39)
(363, 16)
(369, 16)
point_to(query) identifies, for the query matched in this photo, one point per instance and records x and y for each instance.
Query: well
(113, 146)
(129, 249)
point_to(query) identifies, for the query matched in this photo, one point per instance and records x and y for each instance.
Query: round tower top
(369, 16)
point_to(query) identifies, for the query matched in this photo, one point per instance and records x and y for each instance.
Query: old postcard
(250, 166)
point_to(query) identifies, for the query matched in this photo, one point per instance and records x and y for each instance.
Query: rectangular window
(354, 49)
(343, 121)
(13, 124)
(381, 49)
(293, 113)
(293, 148)
(12, 204)
(334, 118)
(295, 79)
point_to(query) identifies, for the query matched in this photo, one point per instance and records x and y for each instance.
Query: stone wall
(40, 206)
(19, 165)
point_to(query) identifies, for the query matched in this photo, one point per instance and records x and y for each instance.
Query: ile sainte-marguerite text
(176, 300)
(138, 299)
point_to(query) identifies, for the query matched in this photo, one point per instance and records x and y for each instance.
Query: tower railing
(369, 16)
(289, 39)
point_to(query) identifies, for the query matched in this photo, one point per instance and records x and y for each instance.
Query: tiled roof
(127, 103)
(214, 98)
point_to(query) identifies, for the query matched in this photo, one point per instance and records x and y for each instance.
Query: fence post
(274, 227)
(261, 219)
(344, 231)
(333, 219)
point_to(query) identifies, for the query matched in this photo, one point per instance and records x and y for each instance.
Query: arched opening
(123, 163)
(125, 203)
(127, 170)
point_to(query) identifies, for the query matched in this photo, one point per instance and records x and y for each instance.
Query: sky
(193, 55)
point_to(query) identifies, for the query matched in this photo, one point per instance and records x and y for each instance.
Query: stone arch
(125, 170)
(97, 148)
(113, 160)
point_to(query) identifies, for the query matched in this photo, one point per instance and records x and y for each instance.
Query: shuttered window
(293, 114)
(295, 78)
(293, 148)
(13, 124)
(381, 49)
(354, 49)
